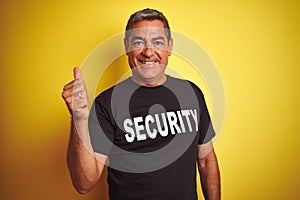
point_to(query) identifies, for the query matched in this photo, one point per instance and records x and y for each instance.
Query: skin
(84, 165)
(209, 172)
(148, 50)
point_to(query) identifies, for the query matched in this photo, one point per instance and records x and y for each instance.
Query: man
(150, 129)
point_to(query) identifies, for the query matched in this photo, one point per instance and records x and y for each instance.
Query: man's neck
(150, 82)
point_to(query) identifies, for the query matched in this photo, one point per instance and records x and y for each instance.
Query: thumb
(77, 73)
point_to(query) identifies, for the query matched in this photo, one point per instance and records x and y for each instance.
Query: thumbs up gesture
(75, 96)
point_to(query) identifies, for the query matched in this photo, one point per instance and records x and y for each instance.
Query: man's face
(148, 49)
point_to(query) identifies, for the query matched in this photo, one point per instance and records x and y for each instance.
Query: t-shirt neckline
(150, 87)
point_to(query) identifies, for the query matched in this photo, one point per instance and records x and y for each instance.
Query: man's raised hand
(75, 96)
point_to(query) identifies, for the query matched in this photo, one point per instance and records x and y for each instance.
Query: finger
(69, 85)
(80, 94)
(74, 94)
(79, 104)
(77, 73)
(67, 93)
(75, 91)
(75, 85)
(76, 101)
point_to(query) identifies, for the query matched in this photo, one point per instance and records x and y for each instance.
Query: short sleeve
(206, 130)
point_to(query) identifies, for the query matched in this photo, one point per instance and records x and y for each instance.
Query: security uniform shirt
(150, 135)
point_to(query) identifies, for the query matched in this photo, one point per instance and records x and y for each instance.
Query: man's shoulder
(181, 81)
(107, 93)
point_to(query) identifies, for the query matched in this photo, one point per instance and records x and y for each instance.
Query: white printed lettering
(130, 132)
(139, 128)
(186, 113)
(149, 119)
(194, 115)
(162, 132)
(173, 122)
(181, 121)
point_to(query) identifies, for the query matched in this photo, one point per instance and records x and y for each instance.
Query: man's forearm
(210, 177)
(81, 161)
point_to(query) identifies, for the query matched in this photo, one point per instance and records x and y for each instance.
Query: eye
(138, 43)
(158, 43)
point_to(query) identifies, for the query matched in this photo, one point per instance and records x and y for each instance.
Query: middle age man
(151, 128)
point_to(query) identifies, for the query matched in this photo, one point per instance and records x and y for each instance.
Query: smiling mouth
(147, 62)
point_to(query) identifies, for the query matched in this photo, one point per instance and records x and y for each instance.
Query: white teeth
(149, 63)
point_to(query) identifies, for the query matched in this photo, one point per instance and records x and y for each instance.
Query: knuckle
(83, 92)
(68, 100)
(77, 87)
(82, 86)
(77, 81)
(64, 95)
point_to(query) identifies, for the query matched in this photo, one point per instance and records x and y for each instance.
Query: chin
(148, 78)
(147, 74)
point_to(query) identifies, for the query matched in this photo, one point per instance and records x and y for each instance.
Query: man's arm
(209, 172)
(85, 169)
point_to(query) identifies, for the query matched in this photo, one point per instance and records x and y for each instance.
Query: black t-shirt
(150, 135)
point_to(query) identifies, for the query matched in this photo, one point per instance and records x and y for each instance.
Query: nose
(148, 51)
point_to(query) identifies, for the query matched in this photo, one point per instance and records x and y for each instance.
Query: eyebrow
(153, 39)
(159, 38)
(137, 38)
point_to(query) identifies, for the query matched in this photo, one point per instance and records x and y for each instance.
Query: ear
(170, 47)
(126, 45)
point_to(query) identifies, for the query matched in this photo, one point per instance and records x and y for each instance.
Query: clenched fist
(75, 96)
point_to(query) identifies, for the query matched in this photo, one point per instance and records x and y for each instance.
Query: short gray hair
(150, 15)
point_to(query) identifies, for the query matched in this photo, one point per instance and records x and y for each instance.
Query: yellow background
(254, 44)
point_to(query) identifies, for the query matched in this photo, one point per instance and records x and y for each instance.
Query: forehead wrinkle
(147, 33)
